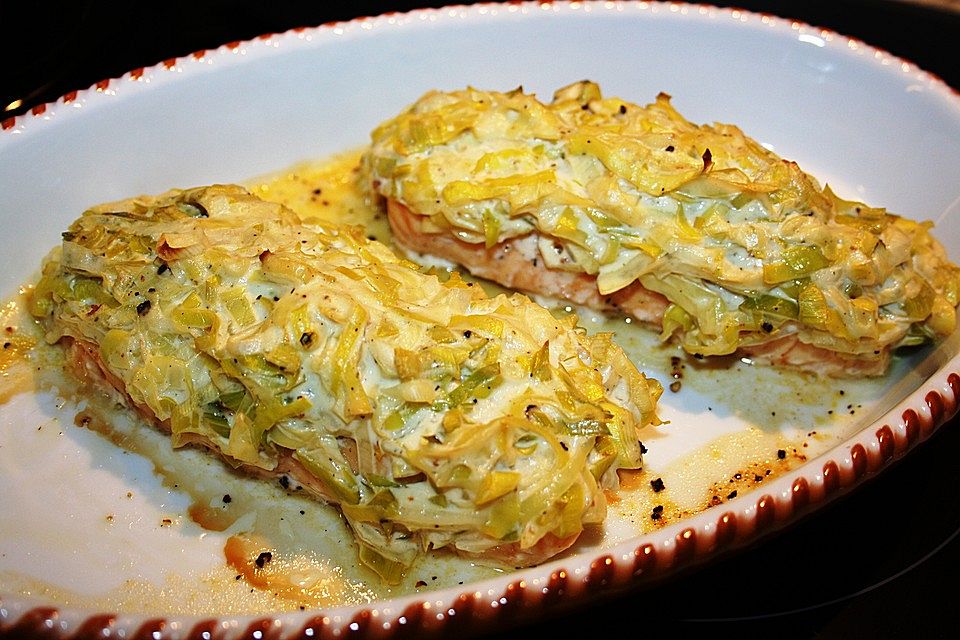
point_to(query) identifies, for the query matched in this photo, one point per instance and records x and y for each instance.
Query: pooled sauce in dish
(16, 343)
(158, 530)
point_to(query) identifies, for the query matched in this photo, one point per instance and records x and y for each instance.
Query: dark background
(47, 50)
(880, 563)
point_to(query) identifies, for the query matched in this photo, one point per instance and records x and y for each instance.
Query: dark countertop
(878, 563)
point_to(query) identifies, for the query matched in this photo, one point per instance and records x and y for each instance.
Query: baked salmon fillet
(698, 230)
(432, 415)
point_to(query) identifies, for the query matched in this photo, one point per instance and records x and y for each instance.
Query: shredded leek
(394, 392)
(639, 193)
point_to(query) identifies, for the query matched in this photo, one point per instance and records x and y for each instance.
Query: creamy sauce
(18, 336)
(242, 545)
(326, 191)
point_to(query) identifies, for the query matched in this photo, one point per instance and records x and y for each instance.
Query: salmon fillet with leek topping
(699, 230)
(433, 415)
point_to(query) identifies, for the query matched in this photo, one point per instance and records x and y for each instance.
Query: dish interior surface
(107, 517)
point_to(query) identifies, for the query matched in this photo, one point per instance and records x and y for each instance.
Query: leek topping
(722, 226)
(403, 397)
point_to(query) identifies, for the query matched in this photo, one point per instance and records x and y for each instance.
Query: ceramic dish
(86, 525)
